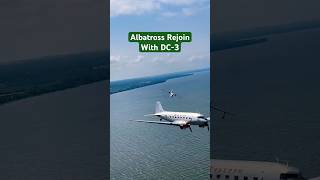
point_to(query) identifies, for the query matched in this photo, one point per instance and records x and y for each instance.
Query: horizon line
(185, 71)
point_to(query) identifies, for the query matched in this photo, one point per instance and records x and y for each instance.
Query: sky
(161, 16)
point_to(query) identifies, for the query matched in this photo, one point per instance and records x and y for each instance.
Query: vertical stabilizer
(158, 107)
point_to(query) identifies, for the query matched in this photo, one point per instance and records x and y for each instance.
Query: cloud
(179, 2)
(189, 11)
(139, 7)
(138, 59)
(114, 59)
(133, 7)
(126, 60)
(199, 57)
(169, 14)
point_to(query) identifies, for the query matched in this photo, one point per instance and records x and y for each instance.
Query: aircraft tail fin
(158, 107)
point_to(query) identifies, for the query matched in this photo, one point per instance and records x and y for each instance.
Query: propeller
(207, 123)
(190, 128)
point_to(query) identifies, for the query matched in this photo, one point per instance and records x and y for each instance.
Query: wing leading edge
(175, 123)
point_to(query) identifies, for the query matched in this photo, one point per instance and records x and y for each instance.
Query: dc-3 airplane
(182, 119)
(172, 94)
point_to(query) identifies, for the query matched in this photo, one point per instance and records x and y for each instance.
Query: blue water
(150, 151)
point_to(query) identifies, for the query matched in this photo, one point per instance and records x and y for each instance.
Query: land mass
(33, 77)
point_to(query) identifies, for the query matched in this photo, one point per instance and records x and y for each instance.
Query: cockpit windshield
(201, 117)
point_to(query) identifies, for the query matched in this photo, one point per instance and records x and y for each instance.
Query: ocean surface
(274, 90)
(152, 151)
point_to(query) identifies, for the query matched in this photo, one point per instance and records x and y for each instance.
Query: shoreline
(26, 95)
(148, 83)
(130, 84)
(14, 96)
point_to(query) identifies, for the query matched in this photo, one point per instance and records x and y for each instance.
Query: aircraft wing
(175, 123)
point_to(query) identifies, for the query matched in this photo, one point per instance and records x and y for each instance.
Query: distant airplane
(253, 170)
(172, 94)
(182, 119)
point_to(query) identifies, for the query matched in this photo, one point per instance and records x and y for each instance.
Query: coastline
(13, 96)
(144, 83)
(130, 84)
(33, 77)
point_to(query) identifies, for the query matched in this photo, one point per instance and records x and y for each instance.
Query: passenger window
(255, 178)
(227, 176)
(236, 178)
(218, 176)
(245, 178)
